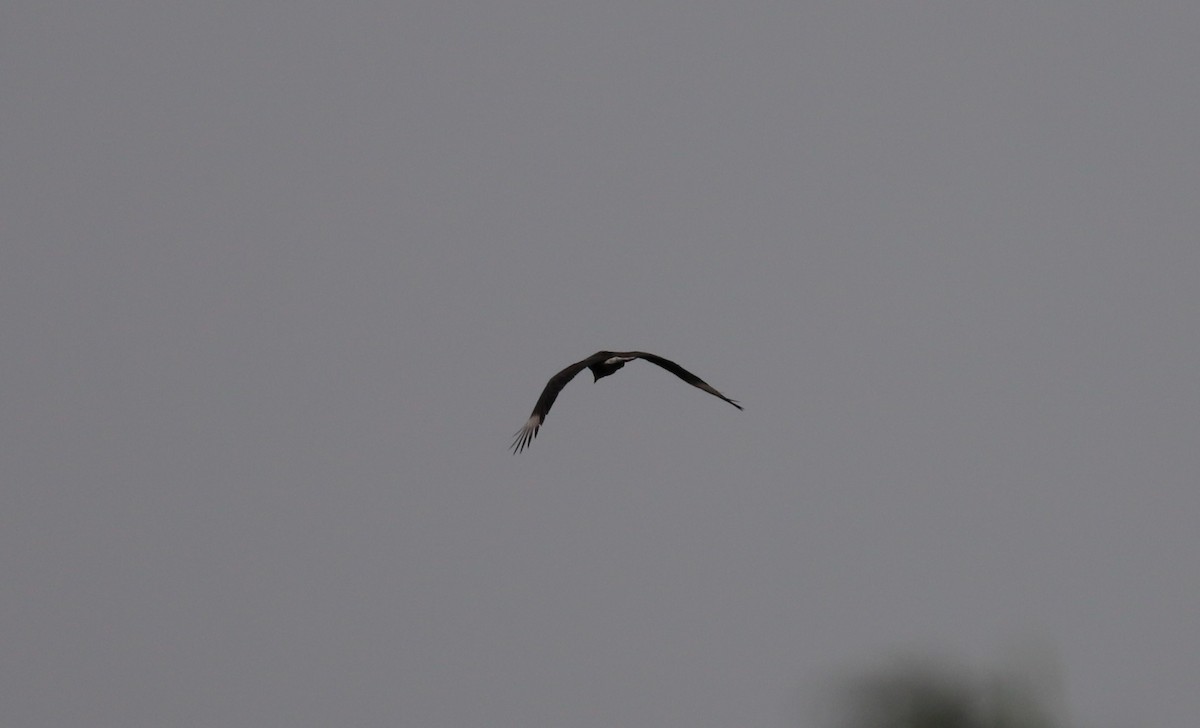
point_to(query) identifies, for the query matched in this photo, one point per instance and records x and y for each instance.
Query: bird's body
(602, 364)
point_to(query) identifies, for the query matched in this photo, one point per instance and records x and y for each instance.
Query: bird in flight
(602, 364)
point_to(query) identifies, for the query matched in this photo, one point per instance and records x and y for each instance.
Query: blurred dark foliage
(930, 694)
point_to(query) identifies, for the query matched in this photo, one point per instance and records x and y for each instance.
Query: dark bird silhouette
(602, 364)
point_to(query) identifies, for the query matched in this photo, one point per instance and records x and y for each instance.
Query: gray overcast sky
(279, 280)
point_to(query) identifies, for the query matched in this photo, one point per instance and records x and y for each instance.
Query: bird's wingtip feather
(526, 434)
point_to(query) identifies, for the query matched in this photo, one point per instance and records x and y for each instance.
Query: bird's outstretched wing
(680, 372)
(529, 430)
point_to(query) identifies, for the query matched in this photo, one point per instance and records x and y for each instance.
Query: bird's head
(604, 368)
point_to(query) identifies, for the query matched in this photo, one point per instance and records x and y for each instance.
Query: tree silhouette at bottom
(921, 694)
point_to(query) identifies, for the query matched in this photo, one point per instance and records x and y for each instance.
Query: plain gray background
(279, 280)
